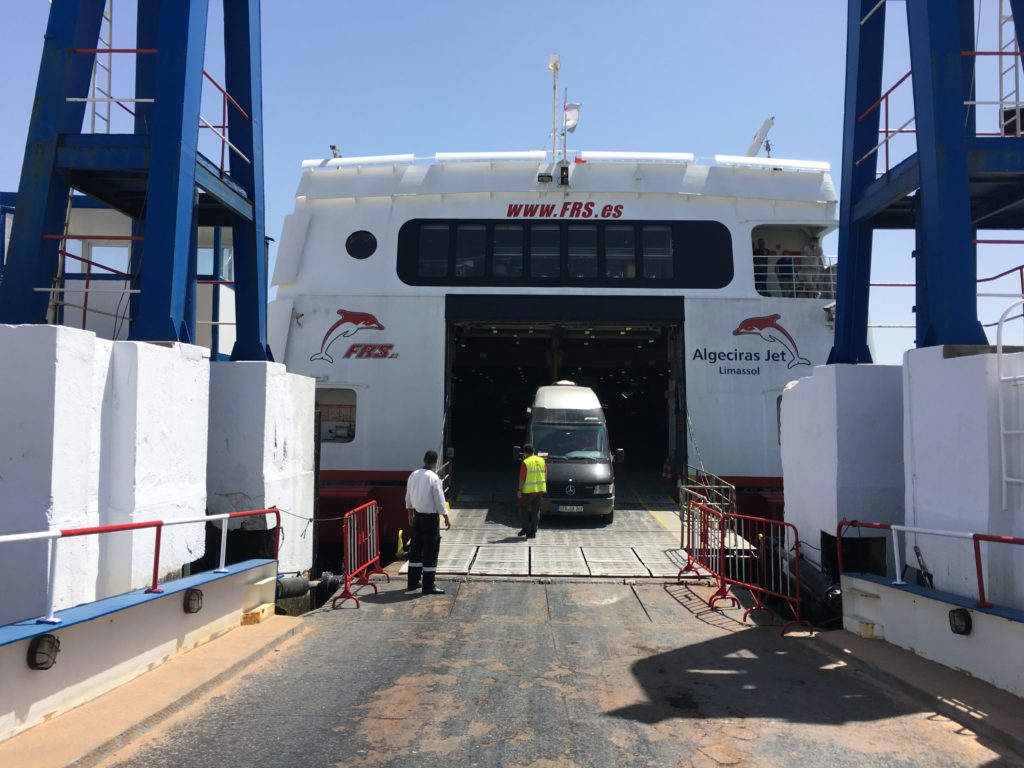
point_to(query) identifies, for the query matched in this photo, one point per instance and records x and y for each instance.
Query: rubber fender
(291, 586)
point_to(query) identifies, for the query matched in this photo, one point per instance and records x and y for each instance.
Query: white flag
(572, 116)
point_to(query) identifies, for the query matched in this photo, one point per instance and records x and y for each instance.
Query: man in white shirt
(424, 501)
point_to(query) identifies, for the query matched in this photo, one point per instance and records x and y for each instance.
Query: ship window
(657, 253)
(433, 261)
(470, 250)
(620, 252)
(337, 409)
(582, 251)
(508, 250)
(361, 244)
(545, 250)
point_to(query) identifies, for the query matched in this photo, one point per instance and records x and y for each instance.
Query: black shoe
(412, 587)
(522, 532)
(433, 591)
(531, 535)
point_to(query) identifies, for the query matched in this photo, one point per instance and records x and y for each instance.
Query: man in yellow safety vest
(533, 475)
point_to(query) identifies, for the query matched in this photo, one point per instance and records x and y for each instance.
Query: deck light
(42, 651)
(960, 621)
(193, 602)
(563, 175)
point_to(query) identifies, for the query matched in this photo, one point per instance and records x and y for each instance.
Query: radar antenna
(761, 137)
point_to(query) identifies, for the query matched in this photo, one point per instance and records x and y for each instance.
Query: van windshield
(571, 441)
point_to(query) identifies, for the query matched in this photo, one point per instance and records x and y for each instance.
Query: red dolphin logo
(768, 328)
(348, 324)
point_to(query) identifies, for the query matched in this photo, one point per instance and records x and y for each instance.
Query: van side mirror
(517, 453)
(620, 455)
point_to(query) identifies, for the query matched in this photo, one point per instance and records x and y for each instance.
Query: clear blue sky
(459, 75)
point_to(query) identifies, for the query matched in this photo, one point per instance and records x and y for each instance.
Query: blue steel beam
(947, 311)
(171, 190)
(42, 194)
(888, 189)
(243, 80)
(864, 45)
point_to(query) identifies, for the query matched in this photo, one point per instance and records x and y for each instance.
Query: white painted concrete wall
(99, 655)
(261, 450)
(842, 448)
(919, 624)
(54, 389)
(158, 441)
(953, 468)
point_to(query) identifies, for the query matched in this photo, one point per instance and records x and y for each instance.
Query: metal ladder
(1009, 74)
(1003, 381)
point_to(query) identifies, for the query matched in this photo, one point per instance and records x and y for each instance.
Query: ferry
(430, 297)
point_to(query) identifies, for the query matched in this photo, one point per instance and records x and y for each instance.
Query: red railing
(883, 101)
(361, 539)
(158, 525)
(976, 538)
(220, 130)
(759, 555)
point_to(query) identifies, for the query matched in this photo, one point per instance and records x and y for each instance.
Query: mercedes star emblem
(570, 490)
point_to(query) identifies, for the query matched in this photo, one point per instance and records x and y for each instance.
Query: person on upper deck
(809, 269)
(784, 271)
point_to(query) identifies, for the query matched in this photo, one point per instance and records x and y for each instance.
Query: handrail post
(896, 555)
(982, 602)
(154, 587)
(223, 547)
(51, 593)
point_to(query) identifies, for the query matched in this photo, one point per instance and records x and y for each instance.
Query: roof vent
(565, 383)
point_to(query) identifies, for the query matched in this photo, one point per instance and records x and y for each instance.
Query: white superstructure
(395, 272)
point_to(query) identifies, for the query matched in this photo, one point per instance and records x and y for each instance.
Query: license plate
(570, 508)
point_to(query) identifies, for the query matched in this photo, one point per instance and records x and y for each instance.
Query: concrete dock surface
(573, 673)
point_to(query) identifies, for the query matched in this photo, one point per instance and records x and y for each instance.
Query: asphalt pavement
(580, 674)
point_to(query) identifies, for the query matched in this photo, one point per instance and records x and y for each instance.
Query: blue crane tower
(155, 175)
(956, 182)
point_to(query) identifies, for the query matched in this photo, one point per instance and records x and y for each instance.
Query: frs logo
(374, 351)
(769, 329)
(348, 324)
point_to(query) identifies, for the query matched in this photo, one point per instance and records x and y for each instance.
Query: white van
(568, 430)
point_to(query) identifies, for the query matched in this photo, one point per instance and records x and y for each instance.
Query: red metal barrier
(361, 537)
(759, 555)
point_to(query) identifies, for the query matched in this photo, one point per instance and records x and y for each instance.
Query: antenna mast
(554, 64)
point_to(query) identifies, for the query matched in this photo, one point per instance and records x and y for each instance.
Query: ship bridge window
(620, 252)
(337, 408)
(634, 254)
(657, 252)
(433, 260)
(582, 251)
(508, 250)
(545, 250)
(470, 250)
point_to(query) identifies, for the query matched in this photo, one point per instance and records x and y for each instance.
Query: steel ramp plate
(502, 560)
(614, 561)
(557, 561)
(661, 562)
(453, 558)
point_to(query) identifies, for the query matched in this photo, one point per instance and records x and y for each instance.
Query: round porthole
(361, 244)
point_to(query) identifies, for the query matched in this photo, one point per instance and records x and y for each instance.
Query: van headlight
(604, 490)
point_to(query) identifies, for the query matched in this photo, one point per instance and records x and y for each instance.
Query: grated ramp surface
(661, 562)
(498, 560)
(614, 561)
(558, 561)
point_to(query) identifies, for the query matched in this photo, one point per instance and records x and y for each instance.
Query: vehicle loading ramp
(638, 544)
